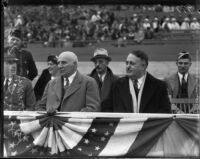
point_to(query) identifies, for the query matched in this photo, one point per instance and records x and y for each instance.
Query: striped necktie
(66, 82)
(183, 87)
(6, 84)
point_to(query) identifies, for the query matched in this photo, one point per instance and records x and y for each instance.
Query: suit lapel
(147, 92)
(175, 85)
(127, 99)
(75, 85)
(57, 87)
(191, 85)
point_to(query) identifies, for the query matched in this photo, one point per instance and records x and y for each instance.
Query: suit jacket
(173, 85)
(82, 95)
(154, 97)
(41, 83)
(26, 66)
(106, 86)
(20, 95)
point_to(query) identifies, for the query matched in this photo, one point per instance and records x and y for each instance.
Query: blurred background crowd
(61, 25)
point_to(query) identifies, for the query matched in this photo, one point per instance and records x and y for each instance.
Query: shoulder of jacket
(25, 80)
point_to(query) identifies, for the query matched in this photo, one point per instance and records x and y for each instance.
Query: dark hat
(10, 58)
(53, 59)
(100, 53)
(16, 33)
(183, 55)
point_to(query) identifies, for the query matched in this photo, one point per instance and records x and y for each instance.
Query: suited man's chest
(14, 98)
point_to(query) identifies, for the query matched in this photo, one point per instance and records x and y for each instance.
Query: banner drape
(101, 134)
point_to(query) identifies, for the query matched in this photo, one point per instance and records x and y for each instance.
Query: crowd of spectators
(57, 26)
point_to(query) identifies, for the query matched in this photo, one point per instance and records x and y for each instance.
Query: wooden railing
(185, 105)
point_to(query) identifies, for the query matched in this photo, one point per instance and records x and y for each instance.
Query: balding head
(67, 62)
(67, 55)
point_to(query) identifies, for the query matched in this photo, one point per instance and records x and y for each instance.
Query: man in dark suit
(26, 66)
(72, 91)
(138, 91)
(47, 74)
(102, 73)
(18, 90)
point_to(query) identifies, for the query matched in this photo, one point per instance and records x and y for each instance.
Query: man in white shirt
(138, 91)
(194, 25)
(185, 25)
(174, 24)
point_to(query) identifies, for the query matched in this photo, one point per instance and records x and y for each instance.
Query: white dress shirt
(181, 76)
(70, 78)
(102, 77)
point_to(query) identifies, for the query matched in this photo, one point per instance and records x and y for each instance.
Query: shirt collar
(102, 76)
(141, 80)
(181, 76)
(9, 80)
(71, 78)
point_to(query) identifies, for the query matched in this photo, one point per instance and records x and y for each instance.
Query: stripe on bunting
(125, 134)
(151, 131)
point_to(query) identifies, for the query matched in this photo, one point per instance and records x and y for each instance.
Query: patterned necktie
(135, 84)
(66, 82)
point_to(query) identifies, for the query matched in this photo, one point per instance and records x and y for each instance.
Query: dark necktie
(183, 80)
(100, 80)
(6, 84)
(135, 84)
(65, 84)
(183, 87)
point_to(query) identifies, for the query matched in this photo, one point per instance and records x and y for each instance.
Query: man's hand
(51, 111)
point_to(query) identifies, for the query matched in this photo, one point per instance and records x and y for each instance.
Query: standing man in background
(18, 90)
(183, 84)
(26, 66)
(102, 73)
(138, 91)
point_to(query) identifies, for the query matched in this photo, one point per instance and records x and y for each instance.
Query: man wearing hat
(47, 74)
(102, 73)
(26, 66)
(183, 84)
(195, 25)
(18, 90)
(185, 25)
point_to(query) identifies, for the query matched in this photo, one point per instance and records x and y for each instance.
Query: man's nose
(97, 64)
(128, 65)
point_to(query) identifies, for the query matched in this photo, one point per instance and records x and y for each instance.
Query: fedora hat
(101, 53)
